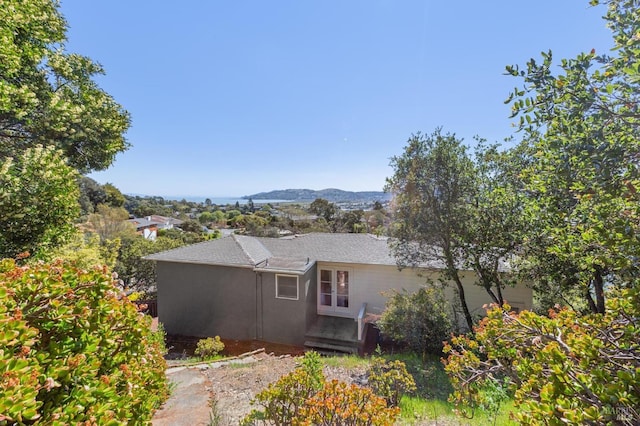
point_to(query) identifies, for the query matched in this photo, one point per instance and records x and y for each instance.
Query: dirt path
(234, 385)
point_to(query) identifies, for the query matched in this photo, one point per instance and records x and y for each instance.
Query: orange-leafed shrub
(73, 349)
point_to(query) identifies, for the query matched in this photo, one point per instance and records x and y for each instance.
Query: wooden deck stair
(333, 334)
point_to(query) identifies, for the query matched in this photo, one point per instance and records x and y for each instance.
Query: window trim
(297, 287)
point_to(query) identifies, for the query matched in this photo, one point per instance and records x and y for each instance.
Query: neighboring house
(148, 226)
(313, 289)
(165, 222)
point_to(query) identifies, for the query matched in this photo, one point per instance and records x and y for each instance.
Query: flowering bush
(74, 349)
(563, 369)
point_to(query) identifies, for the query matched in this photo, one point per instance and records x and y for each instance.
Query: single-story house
(145, 226)
(314, 289)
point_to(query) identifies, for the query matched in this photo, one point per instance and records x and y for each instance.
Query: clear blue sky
(230, 98)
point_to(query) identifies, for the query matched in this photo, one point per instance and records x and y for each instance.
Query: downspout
(259, 306)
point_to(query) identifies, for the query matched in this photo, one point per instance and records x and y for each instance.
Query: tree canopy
(580, 130)
(38, 202)
(432, 182)
(49, 96)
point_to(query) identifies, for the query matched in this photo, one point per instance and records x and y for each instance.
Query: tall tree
(431, 185)
(38, 202)
(581, 125)
(48, 96)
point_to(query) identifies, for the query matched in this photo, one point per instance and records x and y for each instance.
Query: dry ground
(234, 386)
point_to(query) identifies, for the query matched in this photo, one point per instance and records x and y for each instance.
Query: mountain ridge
(329, 194)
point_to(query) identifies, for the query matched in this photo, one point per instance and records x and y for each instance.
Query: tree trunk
(463, 300)
(598, 288)
(499, 290)
(590, 302)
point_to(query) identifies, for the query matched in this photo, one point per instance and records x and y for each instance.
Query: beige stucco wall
(369, 283)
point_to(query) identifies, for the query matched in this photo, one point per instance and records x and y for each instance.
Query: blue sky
(230, 98)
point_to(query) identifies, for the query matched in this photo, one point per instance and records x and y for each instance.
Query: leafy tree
(136, 273)
(432, 183)
(91, 195)
(48, 96)
(38, 202)
(110, 223)
(191, 226)
(460, 211)
(351, 221)
(324, 209)
(495, 229)
(581, 127)
(206, 218)
(114, 197)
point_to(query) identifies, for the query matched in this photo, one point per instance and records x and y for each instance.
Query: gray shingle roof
(223, 251)
(290, 253)
(295, 254)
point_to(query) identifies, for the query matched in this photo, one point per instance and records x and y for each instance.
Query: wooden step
(331, 346)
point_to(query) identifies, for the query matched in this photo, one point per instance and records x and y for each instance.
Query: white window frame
(297, 287)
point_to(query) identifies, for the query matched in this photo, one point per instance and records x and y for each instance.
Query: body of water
(223, 201)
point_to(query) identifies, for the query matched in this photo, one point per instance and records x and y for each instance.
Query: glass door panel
(342, 289)
(326, 287)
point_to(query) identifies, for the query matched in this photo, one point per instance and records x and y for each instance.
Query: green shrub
(390, 380)
(563, 369)
(209, 347)
(303, 398)
(74, 349)
(281, 401)
(420, 320)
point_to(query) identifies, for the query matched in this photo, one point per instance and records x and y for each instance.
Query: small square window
(287, 287)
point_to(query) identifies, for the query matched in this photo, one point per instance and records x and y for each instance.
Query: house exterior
(314, 289)
(148, 226)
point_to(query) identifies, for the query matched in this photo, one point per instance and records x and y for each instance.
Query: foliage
(456, 210)
(432, 182)
(209, 347)
(86, 251)
(420, 320)
(38, 202)
(74, 349)
(564, 369)
(114, 197)
(91, 195)
(323, 209)
(390, 380)
(110, 223)
(191, 226)
(282, 401)
(136, 273)
(582, 171)
(49, 96)
(338, 403)
(302, 397)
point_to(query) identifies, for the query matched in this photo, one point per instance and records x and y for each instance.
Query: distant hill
(329, 194)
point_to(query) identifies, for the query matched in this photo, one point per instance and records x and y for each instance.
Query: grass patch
(346, 361)
(430, 402)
